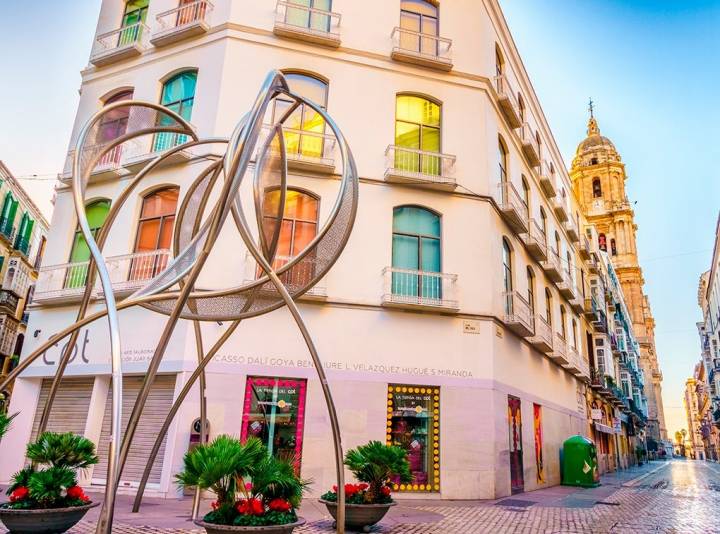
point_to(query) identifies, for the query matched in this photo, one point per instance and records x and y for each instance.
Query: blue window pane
(417, 221)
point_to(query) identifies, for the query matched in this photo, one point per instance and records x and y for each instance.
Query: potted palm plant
(5, 422)
(374, 465)
(45, 496)
(255, 491)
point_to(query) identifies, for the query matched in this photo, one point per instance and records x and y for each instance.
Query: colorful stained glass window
(413, 423)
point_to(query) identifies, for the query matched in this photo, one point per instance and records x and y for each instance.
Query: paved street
(678, 496)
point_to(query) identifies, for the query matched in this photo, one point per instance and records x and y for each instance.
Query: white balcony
(296, 278)
(138, 151)
(512, 207)
(577, 301)
(547, 179)
(559, 204)
(306, 151)
(552, 266)
(107, 167)
(584, 248)
(518, 314)
(410, 288)
(560, 348)
(182, 22)
(572, 231)
(535, 241)
(317, 26)
(421, 168)
(576, 364)
(566, 286)
(543, 338)
(117, 45)
(128, 273)
(508, 101)
(530, 146)
(422, 49)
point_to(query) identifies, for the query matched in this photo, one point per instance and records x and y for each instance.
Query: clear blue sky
(652, 68)
(650, 65)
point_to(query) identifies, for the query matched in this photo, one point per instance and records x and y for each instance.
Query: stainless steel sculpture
(174, 292)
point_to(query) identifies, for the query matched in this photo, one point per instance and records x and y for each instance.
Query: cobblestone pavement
(673, 497)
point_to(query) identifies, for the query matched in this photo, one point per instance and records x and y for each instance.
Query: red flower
(75, 492)
(251, 507)
(335, 488)
(386, 491)
(279, 505)
(215, 505)
(20, 494)
(362, 486)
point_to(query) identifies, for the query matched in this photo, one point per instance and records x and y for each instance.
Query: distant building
(23, 231)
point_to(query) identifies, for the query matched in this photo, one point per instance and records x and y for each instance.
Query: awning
(604, 428)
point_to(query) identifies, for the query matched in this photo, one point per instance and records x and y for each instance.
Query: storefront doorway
(517, 483)
(274, 412)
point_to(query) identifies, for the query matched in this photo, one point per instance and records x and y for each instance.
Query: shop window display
(274, 412)
(413, 423)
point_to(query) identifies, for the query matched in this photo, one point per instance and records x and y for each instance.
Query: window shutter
(11, 216)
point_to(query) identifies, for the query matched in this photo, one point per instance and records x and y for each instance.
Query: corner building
(453, 322)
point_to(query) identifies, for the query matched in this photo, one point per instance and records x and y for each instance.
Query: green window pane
(405, 256)
(416, 221)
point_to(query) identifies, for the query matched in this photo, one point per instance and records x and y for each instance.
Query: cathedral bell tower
(598, 180)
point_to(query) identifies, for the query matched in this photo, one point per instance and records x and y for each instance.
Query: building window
(526, 195)
(557, 245)
(507, 275)
(112, 126)
(602, 242)
(521, 107)
(305, 128)
(96, 213)
(154, 234)
(499, 61)
(298, 229)
(416, 247)
(309, 14)
(563, 322)
(178, 95)
(7, 217)
(574, 334)
(417, 128)
(543, 223)
(531, 288)
(24, 233)
(502, 160)
(420, 20)
(413, 423)
(274, 412)
(613, 247)
(538, 142)
(597, 188)
(548, 306)
(569, 268)
(134, 16)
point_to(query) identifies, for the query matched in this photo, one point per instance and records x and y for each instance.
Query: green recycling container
(579, 460)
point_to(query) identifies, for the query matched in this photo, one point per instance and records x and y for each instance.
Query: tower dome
(595, 148)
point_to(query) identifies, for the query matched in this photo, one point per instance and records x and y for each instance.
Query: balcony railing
(566, 286)
(577, 365)
(543, 338)
(127, 273)
(508, 101)
(306, 23)
(512, 207)
(584, 248)
(530, 146)
(519, 316)
(547, 179)
(182, 22)
(296, 278)
(572, 231)
(422, 49)
(560, 208)
(420, 167)
(535, 241)
(122, 43)
(423, 289)
(306, 149)
(552, 266)
(8, 302)
(559, 354)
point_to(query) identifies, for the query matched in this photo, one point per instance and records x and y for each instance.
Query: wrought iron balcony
(117, 45)
(8, 334)
(422, 168)
(598, 380)
(422, 49)
(559, 354)
(411, 288)
(559, 204)
(572, 231)
(294, 279)
(512, 207)
(535, 241)
(7, 230)
(508, 101)
(543, 338)
(306, 150)
(8, 302)
(128, 273)
(518, 314)
(547, 179)
(552, 266)
(530, 146)
(296, 21)
(185, 21)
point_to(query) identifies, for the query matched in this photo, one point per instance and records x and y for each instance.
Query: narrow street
(678, 496)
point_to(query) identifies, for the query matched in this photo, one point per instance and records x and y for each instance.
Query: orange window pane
(166, 233)
(304, 234)
(285, 242)
(301, 206)
(147, 235)
(161, 203)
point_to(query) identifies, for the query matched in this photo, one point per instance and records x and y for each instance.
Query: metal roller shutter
(158, 405)
(70, 409)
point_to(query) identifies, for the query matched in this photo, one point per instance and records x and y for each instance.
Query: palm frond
(63, 450)
(5, 422)
(377, 463)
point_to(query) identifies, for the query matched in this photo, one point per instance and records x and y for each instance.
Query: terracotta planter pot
(211, 528)
(53, 520)
(360, 516)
